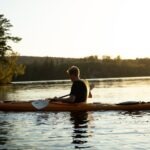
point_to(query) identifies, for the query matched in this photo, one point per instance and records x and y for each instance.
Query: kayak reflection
(81, 130)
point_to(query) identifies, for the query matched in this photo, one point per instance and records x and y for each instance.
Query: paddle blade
(40, 104)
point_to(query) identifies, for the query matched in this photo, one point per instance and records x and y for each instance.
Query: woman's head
(74, 72)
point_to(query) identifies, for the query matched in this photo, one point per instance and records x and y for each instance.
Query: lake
(77, 130)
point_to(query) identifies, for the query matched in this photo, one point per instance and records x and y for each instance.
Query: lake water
(107, 130)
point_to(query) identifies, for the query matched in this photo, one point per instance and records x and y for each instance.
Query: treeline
(52, 68)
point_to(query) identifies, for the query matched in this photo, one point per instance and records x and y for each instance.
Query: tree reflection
(5, 90)
(81, 134)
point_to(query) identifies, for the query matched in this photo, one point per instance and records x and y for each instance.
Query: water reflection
(80, 121)
(135, 113)
(4, 90)
(5, 129)
(3, 133)
(42, 118)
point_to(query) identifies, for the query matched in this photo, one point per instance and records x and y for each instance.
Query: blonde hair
(74, 70)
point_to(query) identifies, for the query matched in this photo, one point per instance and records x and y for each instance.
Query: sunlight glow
(68, 28)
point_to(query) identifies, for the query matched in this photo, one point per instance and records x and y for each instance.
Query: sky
(80, 28)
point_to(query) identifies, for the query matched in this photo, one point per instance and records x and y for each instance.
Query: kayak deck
(27, 106)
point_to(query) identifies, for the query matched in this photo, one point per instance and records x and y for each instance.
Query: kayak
(42, 105)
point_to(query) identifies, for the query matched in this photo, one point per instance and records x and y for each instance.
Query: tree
(8, 58)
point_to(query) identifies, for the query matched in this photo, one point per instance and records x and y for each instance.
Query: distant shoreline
(91, 80)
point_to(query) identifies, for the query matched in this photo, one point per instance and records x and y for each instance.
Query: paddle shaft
(64, 96)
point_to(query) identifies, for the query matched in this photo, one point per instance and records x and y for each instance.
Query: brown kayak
(49, 106)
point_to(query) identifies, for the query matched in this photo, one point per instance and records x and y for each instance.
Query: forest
(53, 68)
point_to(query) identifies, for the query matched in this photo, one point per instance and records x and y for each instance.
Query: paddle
(40, 104)
(63, 96)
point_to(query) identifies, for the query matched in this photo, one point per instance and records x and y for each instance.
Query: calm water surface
(83, 130)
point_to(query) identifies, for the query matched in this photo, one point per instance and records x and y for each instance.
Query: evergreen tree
(8, 58)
